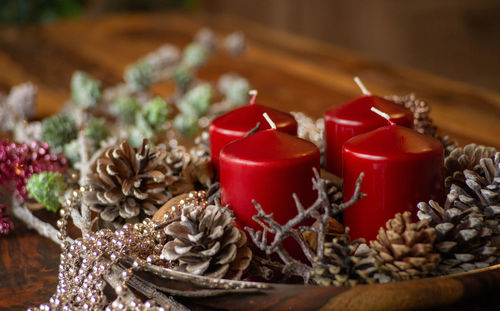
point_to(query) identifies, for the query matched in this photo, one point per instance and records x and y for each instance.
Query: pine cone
(466, 158)
(193, 169)
(404, 250)
(469, 224)
(422, 123)
(340, 267)
(205, 241)
(126, 183)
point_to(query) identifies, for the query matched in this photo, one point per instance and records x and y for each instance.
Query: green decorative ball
(125, 108)
(96, 130)
(72, 151)
(59, 130)
(46, 188)
(183, 77)
(155, 113)
(238, 90)
(186, 124)
(139, 76)
(194, 55)
(197, 100)
(85, 90)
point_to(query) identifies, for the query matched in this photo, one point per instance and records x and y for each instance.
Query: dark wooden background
(291, 73)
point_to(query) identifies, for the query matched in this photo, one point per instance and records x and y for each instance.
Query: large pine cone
(468, 225)
(344, 263)
(404, 250)
(466, 158)
(126, 183)
(205, 241)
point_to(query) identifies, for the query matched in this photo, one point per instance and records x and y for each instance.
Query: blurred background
(458, 39)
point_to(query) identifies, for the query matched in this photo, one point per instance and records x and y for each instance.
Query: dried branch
(85, 221)
(321, 210)
(33, 222)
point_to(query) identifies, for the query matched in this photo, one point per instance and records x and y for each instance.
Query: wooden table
(291, 73)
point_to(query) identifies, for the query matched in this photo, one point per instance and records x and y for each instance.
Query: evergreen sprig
(46, 187)
(59, 130)
(85, 90)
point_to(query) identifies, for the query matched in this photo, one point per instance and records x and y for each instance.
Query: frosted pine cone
(469, 223)
(344, 263)
(466, 158)
(404, 250)
(192, 169)
(205, 241)
(127, 183)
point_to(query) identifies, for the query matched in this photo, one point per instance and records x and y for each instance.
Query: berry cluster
(6, 224)
(19, 161)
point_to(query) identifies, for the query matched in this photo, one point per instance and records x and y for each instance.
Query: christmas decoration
(194, 55)
(205, 241)
(404, 250)
(118, 257)
(125, 108)
(6, 224)
(344, 263)
(139, 76)
(96, 130)
(126, 183)
(59, 130)
(466, 158)
(196, 101)
(85, 91)
(18, 162)
(46, 188)
(422, 122)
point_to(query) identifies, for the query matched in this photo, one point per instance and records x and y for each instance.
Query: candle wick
(268, 119)
(363, 88)
(383, 115)
(253, 93)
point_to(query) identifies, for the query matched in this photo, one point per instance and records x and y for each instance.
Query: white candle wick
(363, 88)
(252, 93)
(268, 119)
(382, 114)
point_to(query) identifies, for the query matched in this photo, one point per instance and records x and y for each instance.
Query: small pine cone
(422, 123)
(205, 241)
(127, 183)
(403, 251)
(344, 263)
(467, 158)
(192, 169)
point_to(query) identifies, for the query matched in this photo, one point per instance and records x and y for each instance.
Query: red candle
(402, 168)
(268, 166)
(237, 123)
(353, 118)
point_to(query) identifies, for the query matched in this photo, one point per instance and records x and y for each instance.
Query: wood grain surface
(291, 73)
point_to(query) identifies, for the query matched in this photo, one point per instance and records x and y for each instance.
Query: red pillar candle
(237, 123)
(268, 166)
(353, 118)
(402, 167)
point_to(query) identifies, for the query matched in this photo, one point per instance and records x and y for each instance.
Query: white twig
(33, 222)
